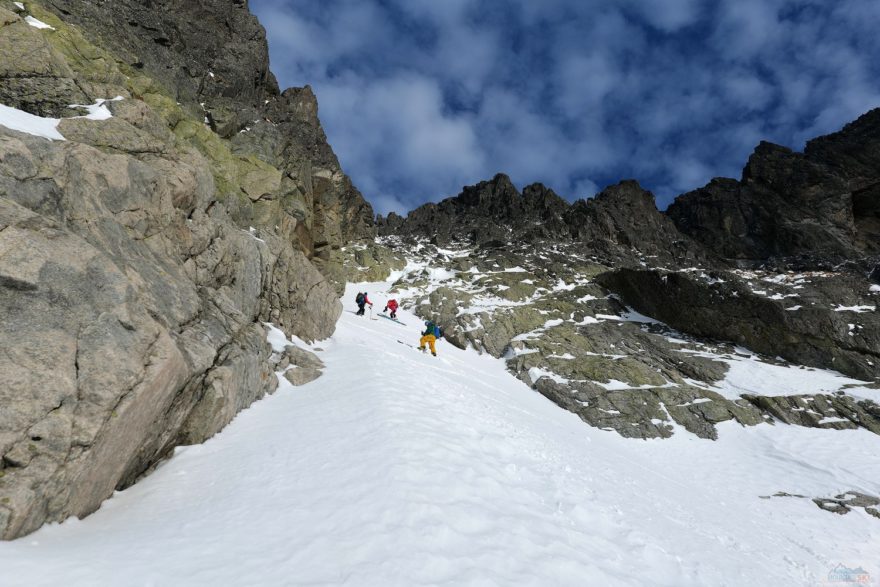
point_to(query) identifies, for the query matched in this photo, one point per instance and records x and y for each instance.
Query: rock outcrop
(830, 322)
(140, 257)
(784, 206)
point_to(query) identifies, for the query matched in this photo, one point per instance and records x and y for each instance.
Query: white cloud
(420, 97)
(668, 15)
(399, 126)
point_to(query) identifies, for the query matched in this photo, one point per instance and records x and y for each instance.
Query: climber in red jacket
(391, 305)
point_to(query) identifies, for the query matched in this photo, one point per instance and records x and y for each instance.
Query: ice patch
(440, 274)
(629, 316)
(562, 286)
(252, 232)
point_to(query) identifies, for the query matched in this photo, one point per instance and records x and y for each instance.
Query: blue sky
(421, 97)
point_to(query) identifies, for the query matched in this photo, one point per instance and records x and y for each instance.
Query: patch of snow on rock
(856, 309)
(749, 375)
(98, 110)
(15, 119)
(37, 23)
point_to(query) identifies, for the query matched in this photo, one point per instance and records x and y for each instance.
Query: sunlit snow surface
(397, 468)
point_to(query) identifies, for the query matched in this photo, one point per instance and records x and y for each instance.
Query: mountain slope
(397, 468)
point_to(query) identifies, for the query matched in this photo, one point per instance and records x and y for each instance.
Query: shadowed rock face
(140, 258)
(784, 206)
(207, 51)
(623, 219)
(812, 209)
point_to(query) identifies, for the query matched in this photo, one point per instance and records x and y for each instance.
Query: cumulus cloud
(420, 97)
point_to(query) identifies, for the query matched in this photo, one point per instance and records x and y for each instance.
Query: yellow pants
(428, 338)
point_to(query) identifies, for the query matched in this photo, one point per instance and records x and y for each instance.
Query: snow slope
(397, 468)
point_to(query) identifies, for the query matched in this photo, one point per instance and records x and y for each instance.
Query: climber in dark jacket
(362, 300)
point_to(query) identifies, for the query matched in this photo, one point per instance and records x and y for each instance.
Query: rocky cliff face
(809, 210)
(140, 257)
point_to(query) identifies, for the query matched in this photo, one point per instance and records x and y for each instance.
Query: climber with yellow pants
(429, 336)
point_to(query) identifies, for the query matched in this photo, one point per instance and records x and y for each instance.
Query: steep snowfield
(397, 468)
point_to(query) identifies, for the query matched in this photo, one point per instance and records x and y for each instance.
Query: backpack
(359, 299)
(438, 332)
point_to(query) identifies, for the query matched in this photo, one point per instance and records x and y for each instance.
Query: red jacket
(392, 305)
(367, 300)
